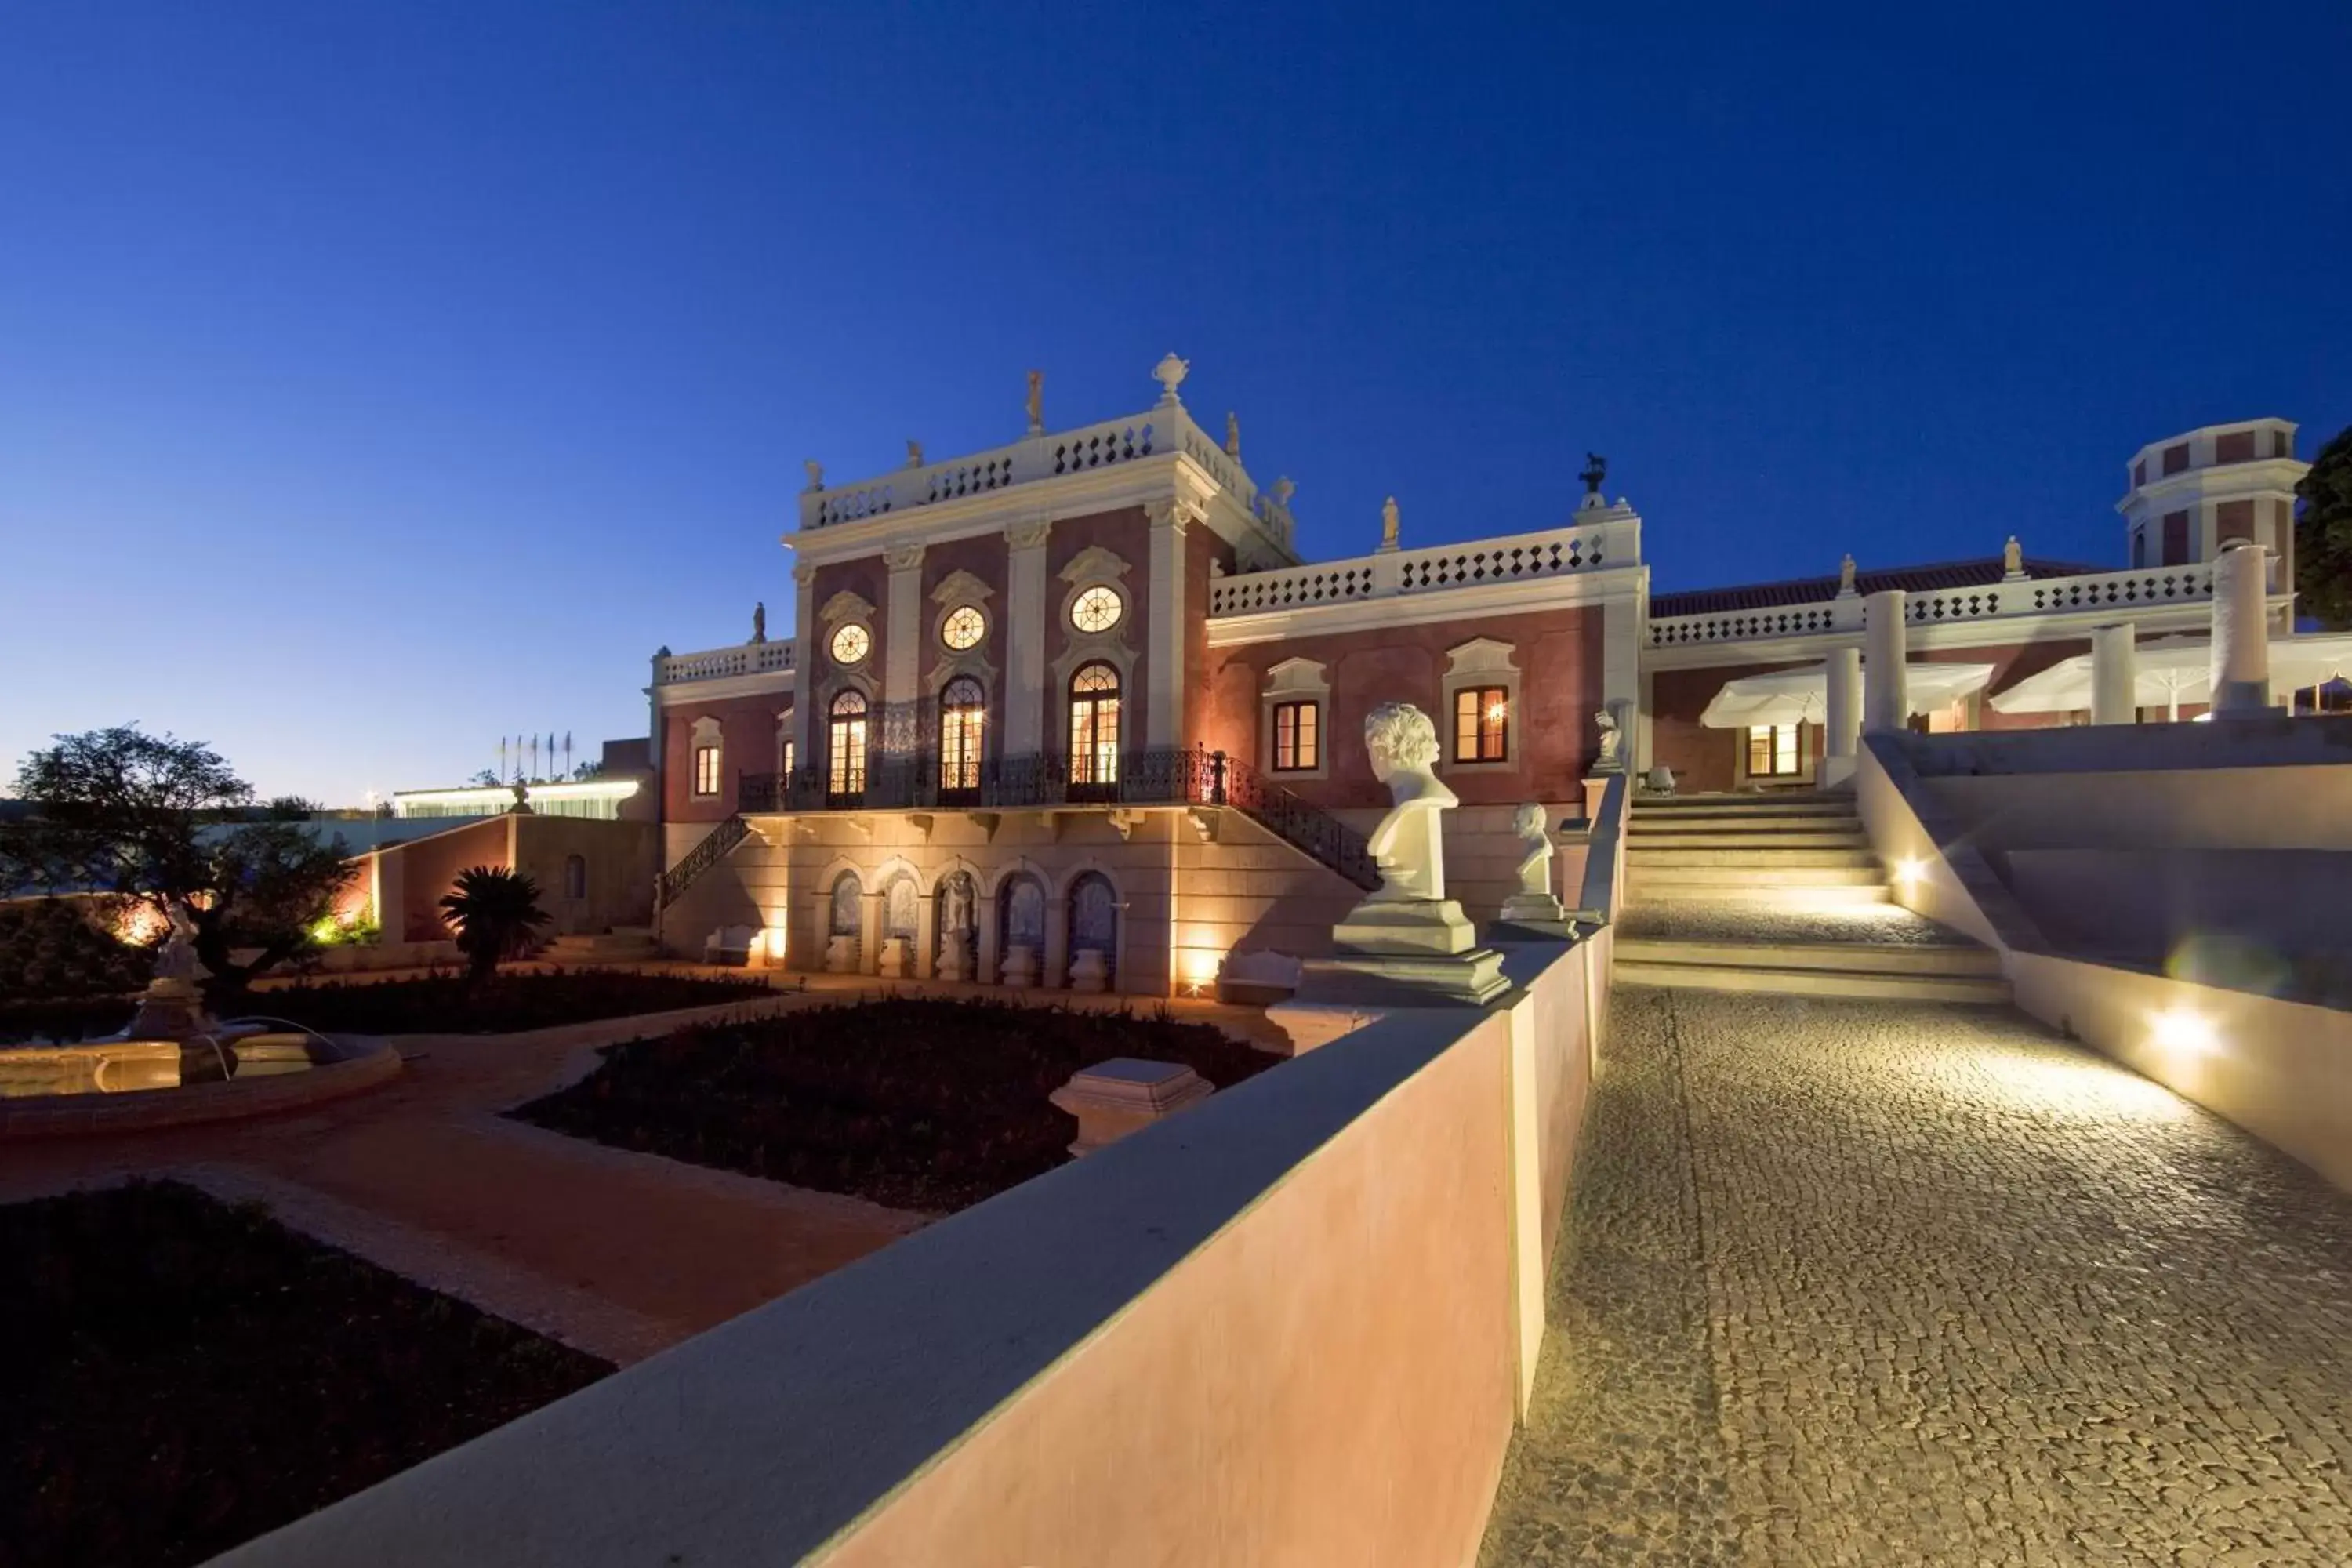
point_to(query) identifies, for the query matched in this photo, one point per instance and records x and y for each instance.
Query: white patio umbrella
(1803, 696)
(2175, 670)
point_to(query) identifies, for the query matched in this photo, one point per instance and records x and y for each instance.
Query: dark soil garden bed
(180, 1375)
(917, 1103)
(63, 1023)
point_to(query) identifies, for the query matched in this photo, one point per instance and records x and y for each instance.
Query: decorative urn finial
(1170, 372)
(816, 475)
(914, 453)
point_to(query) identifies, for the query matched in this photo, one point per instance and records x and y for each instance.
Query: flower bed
(182, 1375)
(507, 1003)
(917, 1103)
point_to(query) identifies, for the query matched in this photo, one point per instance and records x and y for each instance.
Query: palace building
(1073, 712)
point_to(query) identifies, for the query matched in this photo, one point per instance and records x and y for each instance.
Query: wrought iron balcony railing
(1169, 777)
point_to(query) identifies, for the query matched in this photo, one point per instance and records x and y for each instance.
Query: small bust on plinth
(1406, 945)
(1534, 908)
(1612, 757)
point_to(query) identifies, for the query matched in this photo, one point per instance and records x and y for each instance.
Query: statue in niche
(815, 473)
(2013, 558)
(1388, 523)
(1037, 403)
(1845, 576)
(914, 453)
(1232, 437)
(1613, 742)
(898, 907)
(956, 913)
(760, 621)
(1409, 844)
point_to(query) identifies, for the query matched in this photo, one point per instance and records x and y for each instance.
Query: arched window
(575, 877)
(963, 708)
(1094, 923)
(1093, 726)
(845, 753)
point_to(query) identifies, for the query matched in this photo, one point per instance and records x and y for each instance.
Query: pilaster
(902, 650)
(1163, 715)
(804, 658)
(1025, 635)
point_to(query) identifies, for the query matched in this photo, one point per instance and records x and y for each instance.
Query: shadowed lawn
(179, 1376)
(917, 1103)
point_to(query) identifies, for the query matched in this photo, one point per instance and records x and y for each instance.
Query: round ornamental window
(851, 643)
(963, 629)
(1097, 610)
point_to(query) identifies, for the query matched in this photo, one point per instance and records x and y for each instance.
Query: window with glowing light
(1775, 751)
(846, 750)
(963, 629)
(706, 769)
(851, 643)
(963, 708)
(1093, 726)
(1097, 610)
(1482, 724)
(1297, 737)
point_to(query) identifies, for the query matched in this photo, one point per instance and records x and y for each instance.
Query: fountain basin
(125, 1085)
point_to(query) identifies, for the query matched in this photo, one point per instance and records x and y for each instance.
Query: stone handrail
(1167, 428)
(2143, 587)
(1512, 558)
(717, 663)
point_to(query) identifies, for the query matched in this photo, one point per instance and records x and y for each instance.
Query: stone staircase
(1781, 893)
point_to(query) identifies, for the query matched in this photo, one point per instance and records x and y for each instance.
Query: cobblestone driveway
(1878, 1283)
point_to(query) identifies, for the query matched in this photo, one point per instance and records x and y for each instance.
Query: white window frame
(1482, 661)
(1296, 681)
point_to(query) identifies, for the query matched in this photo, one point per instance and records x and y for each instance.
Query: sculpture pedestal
(1530, 917)
(951, 966)
(1124, 1095)
(1019, 969)
(168, 1010)
(897, 962)
(1405, 953)
(1089, 976)
(841, 955)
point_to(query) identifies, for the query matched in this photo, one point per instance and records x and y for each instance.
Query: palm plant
(495, 913)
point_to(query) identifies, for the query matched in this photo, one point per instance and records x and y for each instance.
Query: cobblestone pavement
(1880, 1283)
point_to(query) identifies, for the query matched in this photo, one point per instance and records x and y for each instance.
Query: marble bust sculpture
(1409, 844)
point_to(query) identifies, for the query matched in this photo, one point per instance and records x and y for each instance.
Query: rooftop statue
(1036, 404)
(1233, 437)
(1845, 575)
(2012, 558)
(1388, 523)
(1596, 468)
(1283, 488)
(760, 621)
(914, 453)
(815, 473)
(1409, 844)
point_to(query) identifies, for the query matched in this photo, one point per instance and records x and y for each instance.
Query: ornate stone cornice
(845, 607)
(1179, 512)
(1094, 564)
(804, 573)
(902, 557)
(1029, 533)
(960, 587)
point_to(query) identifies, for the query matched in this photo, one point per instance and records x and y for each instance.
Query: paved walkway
(1880, 1283)
(620, 1254)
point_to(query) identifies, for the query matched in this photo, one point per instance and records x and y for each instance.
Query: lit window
(706, 769)
(1093, 726)
(1097, 610)
(845, 757)
(962, 711)
(1774, 750)
(963, 629)
(1482, 724)
(1296, 736)
(851, 643)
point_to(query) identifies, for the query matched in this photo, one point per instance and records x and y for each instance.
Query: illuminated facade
(1073, 711)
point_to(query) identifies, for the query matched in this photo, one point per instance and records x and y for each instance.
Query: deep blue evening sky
(377, 379)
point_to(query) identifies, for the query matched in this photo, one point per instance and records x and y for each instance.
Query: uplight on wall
(2183, 1033)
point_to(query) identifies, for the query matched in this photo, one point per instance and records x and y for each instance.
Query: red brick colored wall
(989, 559)
(2237, 446)
(1558, 657)
(1126, 533)
(746, 727)
(429, 869)
(2233, 519)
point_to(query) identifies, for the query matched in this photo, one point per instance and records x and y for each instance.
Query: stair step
(1638, 893)
(1643, 874)
(1753, 857)
(1868, 957)
(1704, 836)
(1812, 981)
(1747, 805)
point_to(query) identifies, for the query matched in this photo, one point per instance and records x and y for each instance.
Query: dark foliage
(56, 947)
(153, 818)
(917, 1103)
(503, 1004)
(495, 913)
(2323, 536)
(63, 1021)
(181, 1376)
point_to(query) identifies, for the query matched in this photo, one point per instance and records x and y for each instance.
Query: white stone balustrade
(719, 663)
(1513, 558)
(1162, 429)
(2152, 587)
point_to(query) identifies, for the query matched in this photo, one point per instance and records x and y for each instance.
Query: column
(926, 934)
(1842, 741)
(902, 650)
(2114, 674)
(1025, 636)
(1885, 691)
(1053, 969)
(1163, 711)
(2242, 636)
(803, 658)
(990, 940)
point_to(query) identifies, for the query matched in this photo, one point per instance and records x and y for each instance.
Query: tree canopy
(153, 817)
(2323, 536)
